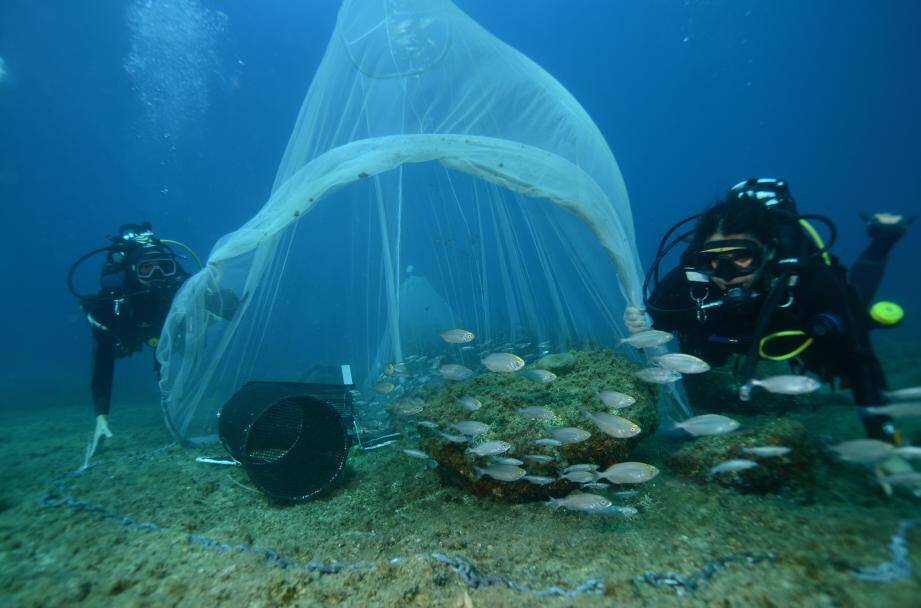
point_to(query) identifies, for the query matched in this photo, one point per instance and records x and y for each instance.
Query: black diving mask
(729, 259)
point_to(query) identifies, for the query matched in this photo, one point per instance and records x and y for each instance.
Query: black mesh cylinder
(291, 438)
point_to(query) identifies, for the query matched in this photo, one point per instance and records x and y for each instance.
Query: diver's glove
(635, 319)
(886, 226)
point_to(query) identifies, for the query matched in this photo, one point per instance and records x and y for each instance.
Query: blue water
(692, 97)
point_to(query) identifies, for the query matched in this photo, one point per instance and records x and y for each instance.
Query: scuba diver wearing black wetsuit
(140, 278)
(758, 281)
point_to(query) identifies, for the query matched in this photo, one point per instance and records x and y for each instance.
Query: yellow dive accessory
(887, 313)
(152, 343)
(784, 334)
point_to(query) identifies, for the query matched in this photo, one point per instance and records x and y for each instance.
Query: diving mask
(729, 259)
(149, 269)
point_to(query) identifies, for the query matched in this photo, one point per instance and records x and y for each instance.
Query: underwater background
(99, 129)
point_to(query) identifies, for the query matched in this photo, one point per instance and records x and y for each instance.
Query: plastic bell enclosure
(436, 178)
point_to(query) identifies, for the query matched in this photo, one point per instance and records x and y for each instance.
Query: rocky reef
(580, 376)
(793, 471)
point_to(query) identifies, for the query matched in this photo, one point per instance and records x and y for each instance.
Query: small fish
(657, 375)
(907, 479)
(579, 476)
(539, 375)
(453, 371)
(902, 394)
(909, 452)
(539, 458)
(569, 434)
(626, 494)
(788, 384)
(428, 424)
(490, 448)
(383, 387)
(865, 451)
(648, 338)
(467, 348)
(503, 363)
(548, 443)
(406, 408)
(681, 362)
(629, 472)
(619, 510)
(457, 336)
(615, 426)
(471, 428)
(501, 472)
(581, 467)
(506, 460)
(708, 424)
(471, 404)
(454, 438)
(732, 466)
(579, 501)
(767, 451)
(417, 454)
(535, 412)
(615, 400)
(539, 480)
(595, 485)
(910, 409)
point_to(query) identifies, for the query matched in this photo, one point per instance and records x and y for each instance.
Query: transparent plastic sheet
(435, 178)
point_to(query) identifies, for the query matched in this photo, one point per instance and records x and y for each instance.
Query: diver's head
(733, 241)
(152, 267)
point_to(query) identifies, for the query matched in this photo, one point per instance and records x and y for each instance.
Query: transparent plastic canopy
(436, 178)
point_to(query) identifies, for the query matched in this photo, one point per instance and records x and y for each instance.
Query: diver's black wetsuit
(125, 318)
(824, 298)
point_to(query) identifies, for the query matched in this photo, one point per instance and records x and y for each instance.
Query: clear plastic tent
(435, 178)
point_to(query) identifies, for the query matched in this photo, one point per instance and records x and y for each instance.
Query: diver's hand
(102, 433)
(635, 319)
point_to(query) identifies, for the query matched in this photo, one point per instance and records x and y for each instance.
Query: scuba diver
(757, 280)
(139, 279)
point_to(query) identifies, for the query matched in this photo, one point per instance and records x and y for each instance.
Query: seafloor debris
(899, 566)
(697, 581)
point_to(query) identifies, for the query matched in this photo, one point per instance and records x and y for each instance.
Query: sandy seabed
(148, 526)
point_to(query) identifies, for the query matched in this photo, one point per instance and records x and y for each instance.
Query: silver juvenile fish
(471, 428)
(535, 412)
(579, 476)
(569, 434)
(629, 472)
(913, 392)
(503, 363)
(615, 426)
(788, 384)
(417, 454)
(581, 467)
(548, 443)
(457, 336)
(732, 466)
(490, 448)
(615, 400)
(428, 424)
(453, 371)
(454, 438)
(539, 480)
(708, 424)
(471, 404)
(911, 409)
(539, 458)
(657, 375)
(864, 451)
(501, 472)
(506, 460)
(539, 375)
(767, 451)
(579, 501)
(648, 338)
(681, 362)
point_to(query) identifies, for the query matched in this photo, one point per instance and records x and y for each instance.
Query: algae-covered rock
(718, 390)
(791, 471)
(558, 363)
(502, 395)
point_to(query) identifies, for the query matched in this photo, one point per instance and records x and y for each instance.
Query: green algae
(502, 395)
